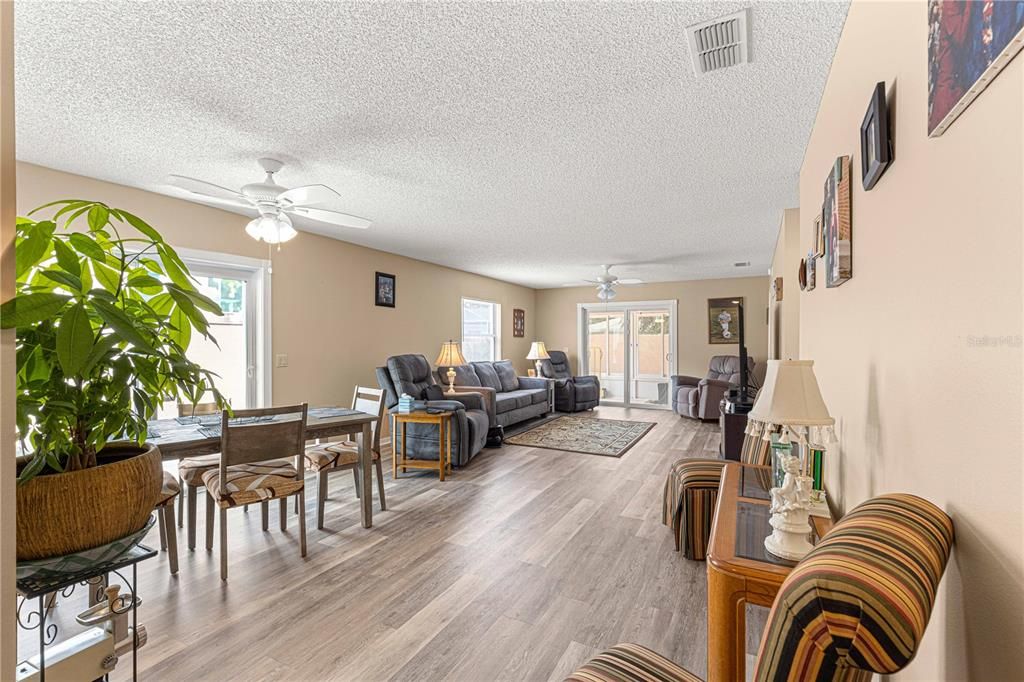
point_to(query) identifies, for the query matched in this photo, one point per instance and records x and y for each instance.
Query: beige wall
(919, 355)
(556, 324)
(323, 314)
(784, 314)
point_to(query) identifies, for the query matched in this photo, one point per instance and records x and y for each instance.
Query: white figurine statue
(790, 510)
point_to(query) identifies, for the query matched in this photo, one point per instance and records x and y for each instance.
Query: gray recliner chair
(700, 398)
(572, 394)
(411, 374)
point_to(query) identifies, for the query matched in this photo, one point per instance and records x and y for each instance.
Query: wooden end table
(444, 441)
(740, 569)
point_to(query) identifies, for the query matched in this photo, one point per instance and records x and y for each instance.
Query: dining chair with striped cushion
(691, 491)
(857, 605)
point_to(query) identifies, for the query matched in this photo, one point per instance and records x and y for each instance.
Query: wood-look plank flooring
(518, 567)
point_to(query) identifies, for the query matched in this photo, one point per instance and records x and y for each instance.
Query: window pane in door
(230, 360)
(650, 334)
(606, 352)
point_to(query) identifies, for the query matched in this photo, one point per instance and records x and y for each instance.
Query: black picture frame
(384, 289)
(875, 141)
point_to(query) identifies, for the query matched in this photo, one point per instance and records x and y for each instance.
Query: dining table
(183, 437)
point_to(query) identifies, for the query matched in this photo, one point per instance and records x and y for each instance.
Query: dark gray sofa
(411, 374)
(513, 398)
(572, 394)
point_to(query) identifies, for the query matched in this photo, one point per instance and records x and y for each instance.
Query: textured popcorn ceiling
(529, 142)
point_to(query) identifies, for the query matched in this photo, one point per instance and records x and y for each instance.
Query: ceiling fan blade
(308, 195)
(207, 189)
(332, 217)
(629, 280)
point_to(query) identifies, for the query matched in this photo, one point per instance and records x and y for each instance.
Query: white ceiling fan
(273, 202)
(606, 283)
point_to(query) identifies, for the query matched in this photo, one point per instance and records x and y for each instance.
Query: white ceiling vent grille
(720, 43)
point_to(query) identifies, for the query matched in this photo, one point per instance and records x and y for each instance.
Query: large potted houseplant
(104, 310)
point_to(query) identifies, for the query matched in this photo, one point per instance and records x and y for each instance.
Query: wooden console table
(444, 441)
(740, 569)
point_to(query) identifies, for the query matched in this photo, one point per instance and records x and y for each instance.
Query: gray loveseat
(572, 394)
(513, 398)
(411, 374)
(700, 398)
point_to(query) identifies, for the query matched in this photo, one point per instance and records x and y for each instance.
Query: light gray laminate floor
(518, 567)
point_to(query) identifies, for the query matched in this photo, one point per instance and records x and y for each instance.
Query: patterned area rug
(589, 435)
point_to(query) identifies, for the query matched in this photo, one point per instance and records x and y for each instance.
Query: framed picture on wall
(724, 320)
(518, 322)
(837, 225)
(819, 236)
(384, 289)
(969, 43)
(875, 143)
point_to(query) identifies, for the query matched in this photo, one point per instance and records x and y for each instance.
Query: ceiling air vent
(720, 43)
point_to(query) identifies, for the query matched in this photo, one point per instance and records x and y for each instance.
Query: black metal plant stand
(44, 588)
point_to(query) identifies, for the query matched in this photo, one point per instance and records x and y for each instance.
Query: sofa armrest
(486, 393)
(717, 383)
(449, 405)
(470, 399)
(677, 380)
(534, 382)
(586, 379)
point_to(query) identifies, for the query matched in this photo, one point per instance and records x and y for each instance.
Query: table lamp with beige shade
(538, 352)
(450, 357)
(791, 400)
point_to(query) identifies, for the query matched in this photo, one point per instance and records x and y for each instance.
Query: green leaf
(74, 340)
(87, 246)
(144, 281)
(30, 251)
(36, 367)
(66, 258)
(102, 347)
(67, 279)
(34, 466)
(161, 304)
(189, 309)
(99, 216)
(174, 270)
(107, 276)
(141, 225)
(28, 309)
(202, 301)
(122, 325)
(181, 333)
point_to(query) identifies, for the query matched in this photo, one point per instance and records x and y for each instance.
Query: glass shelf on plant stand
(112, 619)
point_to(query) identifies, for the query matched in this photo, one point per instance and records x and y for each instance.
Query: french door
(631, 348)
(241, 355)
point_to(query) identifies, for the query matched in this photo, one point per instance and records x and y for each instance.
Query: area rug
(589, 435)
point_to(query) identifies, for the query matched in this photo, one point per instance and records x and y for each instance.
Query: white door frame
(257, 272)
(672, 305)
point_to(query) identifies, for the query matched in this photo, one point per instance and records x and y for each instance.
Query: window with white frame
(481, 330)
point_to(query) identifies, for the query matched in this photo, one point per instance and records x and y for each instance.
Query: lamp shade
(790, 396)
(450, 355)
(538, 351)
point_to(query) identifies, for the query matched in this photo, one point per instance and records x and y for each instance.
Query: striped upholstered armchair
(691, 491)
(856, 605)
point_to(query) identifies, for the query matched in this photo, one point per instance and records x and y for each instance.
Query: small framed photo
(384, 290)
(875, 143)
(518, 322)
(819, 236)
(810, 266)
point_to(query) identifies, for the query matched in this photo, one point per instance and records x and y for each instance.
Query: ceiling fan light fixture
(606, 293)
(272, 229)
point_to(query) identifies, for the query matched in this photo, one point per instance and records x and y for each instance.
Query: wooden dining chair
(191, 470)
(260, 461)
(326, 458)
(169, 491)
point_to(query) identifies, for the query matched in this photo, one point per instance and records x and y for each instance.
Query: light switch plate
(281, 360)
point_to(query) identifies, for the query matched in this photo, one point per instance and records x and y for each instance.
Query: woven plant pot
(63, 513)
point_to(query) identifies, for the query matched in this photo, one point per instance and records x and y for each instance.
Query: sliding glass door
(630, 347)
